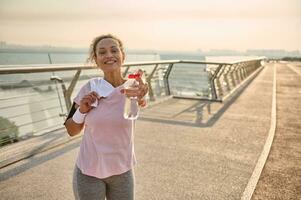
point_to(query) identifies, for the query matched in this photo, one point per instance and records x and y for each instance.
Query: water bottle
(131, 107)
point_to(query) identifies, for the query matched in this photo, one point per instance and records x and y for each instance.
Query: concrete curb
(250, 188)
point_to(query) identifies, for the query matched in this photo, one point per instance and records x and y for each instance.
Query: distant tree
(8, 131)
(291, 59)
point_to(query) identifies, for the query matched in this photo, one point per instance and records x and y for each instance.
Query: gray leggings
(117, 187)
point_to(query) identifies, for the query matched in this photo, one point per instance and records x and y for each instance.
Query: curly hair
(92, 51)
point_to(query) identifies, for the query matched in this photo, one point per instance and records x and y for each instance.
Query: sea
(31, 104)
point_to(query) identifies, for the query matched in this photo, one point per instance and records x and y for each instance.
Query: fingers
(92, 97)
(85, 105)
(140, 71)
(89, 99)
(139, 91)
(93, 93)
(139, 79)
(136, 93)
(142, 102)
(144, 89)
(131, 92)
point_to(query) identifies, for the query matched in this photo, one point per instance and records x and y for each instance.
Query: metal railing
(33, 103)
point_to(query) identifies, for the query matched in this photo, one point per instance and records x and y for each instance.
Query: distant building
(223, 52)
(2, 44)
(181, 56)
(273, 53)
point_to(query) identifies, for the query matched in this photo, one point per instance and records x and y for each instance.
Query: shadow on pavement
(199, 111)
(37, 160)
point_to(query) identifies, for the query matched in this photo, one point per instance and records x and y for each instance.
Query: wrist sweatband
(79, 117)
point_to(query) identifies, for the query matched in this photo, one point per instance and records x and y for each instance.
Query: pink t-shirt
(107, 146)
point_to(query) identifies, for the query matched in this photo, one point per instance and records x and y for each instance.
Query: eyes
(113, 50)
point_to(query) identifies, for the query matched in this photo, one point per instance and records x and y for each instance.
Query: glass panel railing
(189, 80)
(29, 105)
(33, 102)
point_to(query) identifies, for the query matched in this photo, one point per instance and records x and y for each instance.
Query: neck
(115, 79)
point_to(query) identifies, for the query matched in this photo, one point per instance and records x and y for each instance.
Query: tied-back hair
(92, 51)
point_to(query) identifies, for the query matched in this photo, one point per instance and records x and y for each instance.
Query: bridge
(235, 137)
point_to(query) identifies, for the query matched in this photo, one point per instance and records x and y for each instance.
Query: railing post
(227, 82)
(126, 71)
(150, 90)
(243, 70)
(237, 73)
(219, 87)
(166, 75)
(58, 79)
(68, 92)
(49, 58)
(212, 82)
(149, 80)
(232, 71)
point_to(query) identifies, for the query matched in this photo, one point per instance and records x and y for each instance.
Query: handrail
(20, 69)
(205, 82)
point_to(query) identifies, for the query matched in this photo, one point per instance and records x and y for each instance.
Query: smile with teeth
(110, 62)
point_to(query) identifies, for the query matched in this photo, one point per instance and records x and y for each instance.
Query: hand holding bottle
(139, 89)
(134, 89)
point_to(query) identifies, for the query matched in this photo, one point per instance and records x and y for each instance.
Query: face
(109, 56)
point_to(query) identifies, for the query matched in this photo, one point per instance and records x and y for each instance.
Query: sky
(181, 25)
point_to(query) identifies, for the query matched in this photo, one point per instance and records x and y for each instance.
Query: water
(131, 108)
(26, 58)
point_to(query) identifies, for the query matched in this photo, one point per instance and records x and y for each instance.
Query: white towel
(101, 87)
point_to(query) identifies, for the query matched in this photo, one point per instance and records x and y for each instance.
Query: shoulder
(93, 81)
(86, 87)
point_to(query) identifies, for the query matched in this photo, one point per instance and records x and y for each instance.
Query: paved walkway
(186, 149)
(281, 177)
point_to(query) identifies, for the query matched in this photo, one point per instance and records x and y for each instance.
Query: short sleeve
(82, 92)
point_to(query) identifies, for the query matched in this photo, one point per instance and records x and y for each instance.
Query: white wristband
(79, 117)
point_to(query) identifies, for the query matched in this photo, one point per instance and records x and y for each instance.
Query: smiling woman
(106, 157)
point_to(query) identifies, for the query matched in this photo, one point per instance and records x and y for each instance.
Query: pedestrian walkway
(281, 177)
(187, 153)
(186, 149)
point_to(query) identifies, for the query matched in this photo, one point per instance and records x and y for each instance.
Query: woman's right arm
(72, 127)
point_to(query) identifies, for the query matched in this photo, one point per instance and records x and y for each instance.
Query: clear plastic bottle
(131, 107)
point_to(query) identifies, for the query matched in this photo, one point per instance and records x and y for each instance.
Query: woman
(106, 157)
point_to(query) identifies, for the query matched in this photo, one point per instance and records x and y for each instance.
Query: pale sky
(182, 25)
